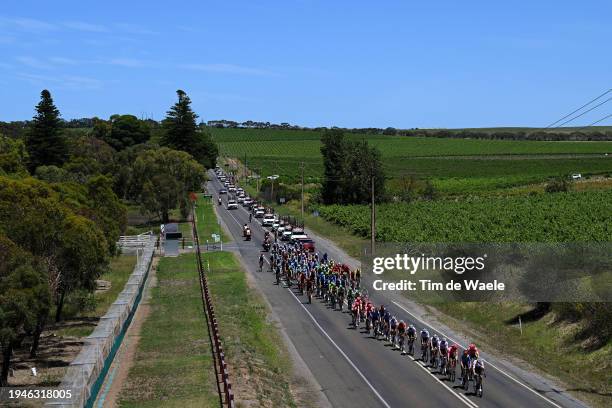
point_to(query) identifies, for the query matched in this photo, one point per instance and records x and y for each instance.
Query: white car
(247, 201)
(298, 237)
(232, 205)
(268, 220)
(240, 199)
(231, 188)
(259, 213)
(275, 226)
(286, 236)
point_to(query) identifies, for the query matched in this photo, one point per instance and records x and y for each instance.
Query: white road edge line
(340, 350)
(462, 398)
(495, 367)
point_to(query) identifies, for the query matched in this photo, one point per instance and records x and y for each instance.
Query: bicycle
(424, 352)
(443, 365)
(400, 345)
(411, 345)
(434, 361)
(478, 385)
(465, 381)
(452, 369)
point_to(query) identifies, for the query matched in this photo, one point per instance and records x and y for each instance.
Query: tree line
(63, 205)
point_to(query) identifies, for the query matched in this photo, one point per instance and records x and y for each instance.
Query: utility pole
(245, 166)
(373, 211)
(302, 168)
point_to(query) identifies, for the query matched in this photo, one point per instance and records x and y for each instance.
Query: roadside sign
(216, 237)
(281, 200)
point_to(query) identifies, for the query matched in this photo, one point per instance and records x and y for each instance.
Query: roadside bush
(557, 185)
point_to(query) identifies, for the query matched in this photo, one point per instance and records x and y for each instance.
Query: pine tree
(180, 124)
(46, 143)
(181, 133)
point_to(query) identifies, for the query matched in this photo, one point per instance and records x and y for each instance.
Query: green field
(559, 217)
(511, 163)
(173, 366)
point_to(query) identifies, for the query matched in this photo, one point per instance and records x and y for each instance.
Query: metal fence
(224, 386)
(85, 375)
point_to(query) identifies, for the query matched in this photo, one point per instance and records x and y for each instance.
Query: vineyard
(561, 217)
(454, 165)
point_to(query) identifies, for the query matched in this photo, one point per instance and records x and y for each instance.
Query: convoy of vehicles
(290, 247)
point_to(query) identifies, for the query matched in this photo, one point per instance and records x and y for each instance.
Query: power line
(583, 106)
(597, 121)
(583, 113)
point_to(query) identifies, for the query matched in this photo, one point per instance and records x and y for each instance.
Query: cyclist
(261, 261)
(387, 318)
(479, 372)
(466, 362)
(393, 330)
(309, 289)
(401, 332)
(424, 343)
(435, 342)
(411, 332)
(368, 311)
(376, 321)
(452, 358)
(341, 294)
(474, 354)
(443, 355)
(349, 297)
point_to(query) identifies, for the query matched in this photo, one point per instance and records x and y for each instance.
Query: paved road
(353, 368)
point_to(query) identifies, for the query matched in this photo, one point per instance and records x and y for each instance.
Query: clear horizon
(311, 63)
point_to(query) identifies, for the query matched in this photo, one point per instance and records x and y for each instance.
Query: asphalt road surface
(355, 369)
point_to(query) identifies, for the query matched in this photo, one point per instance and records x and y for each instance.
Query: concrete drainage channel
(87, 372)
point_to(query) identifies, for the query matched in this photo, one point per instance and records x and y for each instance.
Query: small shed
(171, 231)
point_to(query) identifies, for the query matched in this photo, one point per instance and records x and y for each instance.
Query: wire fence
(224, 386)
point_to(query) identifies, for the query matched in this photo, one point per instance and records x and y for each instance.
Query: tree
(72, 248)
(24, 295)
(181, 133)
(13, 156)
(334, 155)
(363, 164)
(123, 172)
(348, 170)
(46, 143)
(166, 177)
(81, 259)
(122, 131)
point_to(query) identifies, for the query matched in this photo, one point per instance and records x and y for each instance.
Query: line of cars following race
(339, 285)
(280, 227)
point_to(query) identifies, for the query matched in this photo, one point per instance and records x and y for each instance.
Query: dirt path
(124, 359)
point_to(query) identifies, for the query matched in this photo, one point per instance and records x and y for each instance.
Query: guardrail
(224, 386)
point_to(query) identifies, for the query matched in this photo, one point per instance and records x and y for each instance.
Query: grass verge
(260, 367)
(206, 220)
(173, 365)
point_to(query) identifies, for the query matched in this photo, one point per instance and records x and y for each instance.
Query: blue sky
(345, 63)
